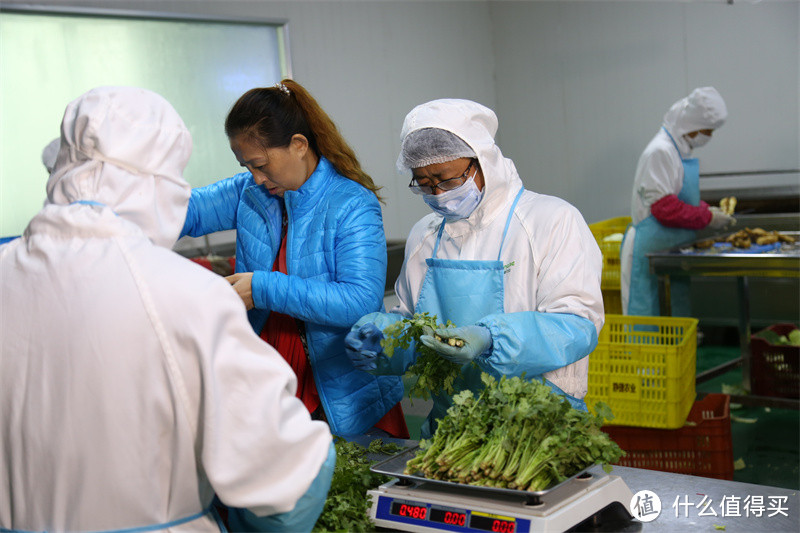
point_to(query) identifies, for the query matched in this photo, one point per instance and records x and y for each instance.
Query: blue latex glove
(477, 340)
(363, 346)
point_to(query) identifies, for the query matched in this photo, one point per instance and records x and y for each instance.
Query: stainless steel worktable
(674, 262)
(690, 491)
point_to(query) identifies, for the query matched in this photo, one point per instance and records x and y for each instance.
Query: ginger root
(728, 205)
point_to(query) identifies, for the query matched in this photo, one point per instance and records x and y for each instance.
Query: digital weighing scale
(588, 501)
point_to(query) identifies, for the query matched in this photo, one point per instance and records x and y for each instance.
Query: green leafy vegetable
(515, 434)
(773, 338)
(434, 373)
(347, 505)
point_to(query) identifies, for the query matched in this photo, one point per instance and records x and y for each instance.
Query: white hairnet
(429, 146)
(476, 125)
(50, 153)
(703, 109)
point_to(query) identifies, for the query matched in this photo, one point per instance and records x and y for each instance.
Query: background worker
(517, 272)
(310, 250)
(132, 388)
(666, 209)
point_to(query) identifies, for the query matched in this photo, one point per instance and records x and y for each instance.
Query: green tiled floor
(767, 440)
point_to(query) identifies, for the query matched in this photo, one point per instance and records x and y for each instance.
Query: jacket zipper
(320, 390)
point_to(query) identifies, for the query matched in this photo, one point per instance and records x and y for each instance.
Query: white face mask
(701, 139)
(458, 203)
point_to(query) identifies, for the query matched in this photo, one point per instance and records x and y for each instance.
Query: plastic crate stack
(775, 368)
(608, 234)
(644, 369)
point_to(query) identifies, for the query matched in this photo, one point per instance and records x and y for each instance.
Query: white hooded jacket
(132, 387)
(659, 172)
(553, 263)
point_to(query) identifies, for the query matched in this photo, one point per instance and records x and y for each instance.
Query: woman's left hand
(243, 285)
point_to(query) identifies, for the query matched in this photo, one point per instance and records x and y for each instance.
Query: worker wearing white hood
(49, 154)
(517, 272)
(132, 387)
(666, 209)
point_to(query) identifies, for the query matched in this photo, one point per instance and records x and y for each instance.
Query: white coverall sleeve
(304, 515)
(658, 176)
(566, 313)
(261, 450)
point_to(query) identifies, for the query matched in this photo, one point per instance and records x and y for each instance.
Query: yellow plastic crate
(644, 369)
(610, 248)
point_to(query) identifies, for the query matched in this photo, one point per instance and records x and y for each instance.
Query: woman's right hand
(243, 285)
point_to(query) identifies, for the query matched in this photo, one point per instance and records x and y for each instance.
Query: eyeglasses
(444, 185)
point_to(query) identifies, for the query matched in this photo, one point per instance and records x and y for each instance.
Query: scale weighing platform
(588, 501)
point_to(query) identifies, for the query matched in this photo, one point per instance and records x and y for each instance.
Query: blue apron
(651, 236)
(463, 292)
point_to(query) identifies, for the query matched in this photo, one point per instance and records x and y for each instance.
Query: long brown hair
(272, 115)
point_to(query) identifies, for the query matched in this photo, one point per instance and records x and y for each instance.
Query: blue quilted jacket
(336, 258)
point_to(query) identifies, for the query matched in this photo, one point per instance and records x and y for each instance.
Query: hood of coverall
(476, 125)
(125, 148)
(703, 109)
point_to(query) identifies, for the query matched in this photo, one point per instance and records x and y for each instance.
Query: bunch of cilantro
(516, 434)
(347, 505)
(434, 373)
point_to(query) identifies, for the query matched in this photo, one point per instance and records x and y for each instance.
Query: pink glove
(673, 213)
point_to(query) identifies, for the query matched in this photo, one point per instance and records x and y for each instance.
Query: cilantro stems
(515, 434)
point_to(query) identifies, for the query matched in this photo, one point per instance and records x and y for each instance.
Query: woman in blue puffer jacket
(310, 250)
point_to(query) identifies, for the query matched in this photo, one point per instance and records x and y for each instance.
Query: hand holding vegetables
(474, 341)
(363, 346)
(434, 374)
(720, 219)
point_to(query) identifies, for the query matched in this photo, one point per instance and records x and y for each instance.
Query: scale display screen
(448, 518)
(410, 510)
(498, 524)
(444, 516)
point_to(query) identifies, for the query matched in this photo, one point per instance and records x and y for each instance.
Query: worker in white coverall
(517, 272)
(49, 154)
(132, 387)
(666, 210)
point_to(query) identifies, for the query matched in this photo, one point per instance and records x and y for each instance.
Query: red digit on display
(502, 526)
(457, 519)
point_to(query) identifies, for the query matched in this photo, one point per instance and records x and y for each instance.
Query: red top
(282, 333)
(671, 212)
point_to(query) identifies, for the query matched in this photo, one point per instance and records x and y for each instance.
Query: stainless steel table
(667, 264)
(688, 503)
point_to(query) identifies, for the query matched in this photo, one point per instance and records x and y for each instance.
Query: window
(48, 58)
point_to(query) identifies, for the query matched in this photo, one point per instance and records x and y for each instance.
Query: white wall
(579, 86)
(583, 86)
